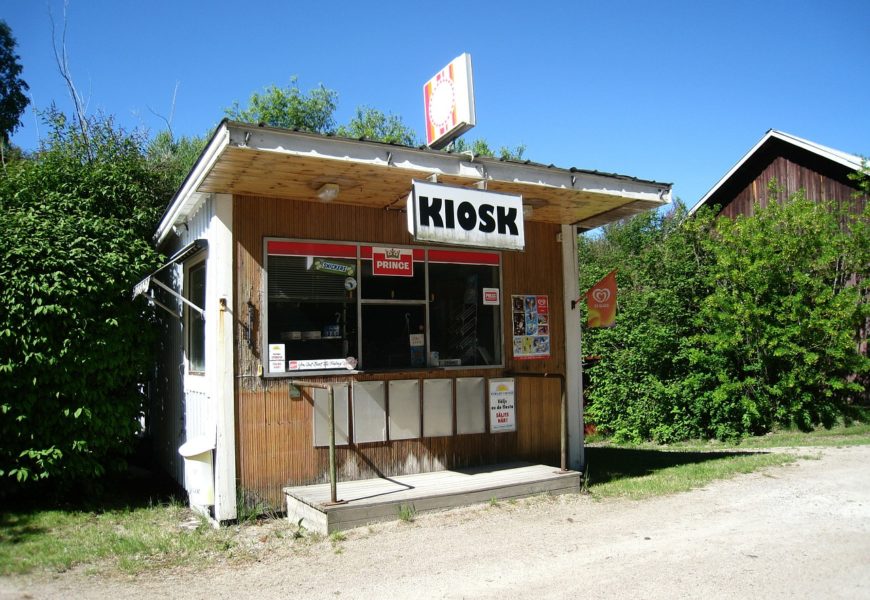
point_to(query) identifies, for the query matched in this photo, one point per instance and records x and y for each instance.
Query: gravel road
(799, 531)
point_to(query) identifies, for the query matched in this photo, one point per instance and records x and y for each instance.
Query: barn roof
(775, 143)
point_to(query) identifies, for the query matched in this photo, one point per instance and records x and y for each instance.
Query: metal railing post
(333, 477)
(333, 472)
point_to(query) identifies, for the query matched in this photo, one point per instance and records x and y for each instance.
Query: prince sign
(465, 216)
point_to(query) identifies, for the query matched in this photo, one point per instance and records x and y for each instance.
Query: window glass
(312, 311)
(327, 308)
(195, 321)
(387, 287)
(393, 336)
(464, 330)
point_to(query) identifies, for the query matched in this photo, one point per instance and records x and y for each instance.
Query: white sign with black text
(502, 405)
(465, 217)
(276, 358)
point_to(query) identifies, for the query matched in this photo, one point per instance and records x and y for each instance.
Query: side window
(195, 322)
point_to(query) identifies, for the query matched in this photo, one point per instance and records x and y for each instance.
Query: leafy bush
(635, 389)
(729, 328)
(776, 335)
(76, 219)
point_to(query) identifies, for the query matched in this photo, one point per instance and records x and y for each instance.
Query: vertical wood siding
(275, 445)
(791, 177)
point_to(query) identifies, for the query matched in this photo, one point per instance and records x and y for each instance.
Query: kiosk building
(425, 285)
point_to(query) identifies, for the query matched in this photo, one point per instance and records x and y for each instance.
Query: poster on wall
(502, 405)
(531, 326)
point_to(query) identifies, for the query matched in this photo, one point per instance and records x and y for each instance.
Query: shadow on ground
(137, 486)
(608, 463)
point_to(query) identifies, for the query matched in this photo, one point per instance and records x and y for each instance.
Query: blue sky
(670, 91)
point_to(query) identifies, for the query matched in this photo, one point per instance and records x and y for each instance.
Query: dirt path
(800, 531)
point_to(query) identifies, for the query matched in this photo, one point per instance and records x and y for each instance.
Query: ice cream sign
(449, 102)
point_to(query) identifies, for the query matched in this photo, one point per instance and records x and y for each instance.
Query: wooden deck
(372, 500)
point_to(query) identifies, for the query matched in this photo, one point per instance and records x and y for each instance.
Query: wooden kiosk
(299, 257)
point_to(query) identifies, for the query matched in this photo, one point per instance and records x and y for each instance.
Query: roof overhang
(249, 160)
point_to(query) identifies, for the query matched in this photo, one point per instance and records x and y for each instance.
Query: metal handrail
(333, 476)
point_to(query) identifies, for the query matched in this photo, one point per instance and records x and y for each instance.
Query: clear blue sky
(671, 91)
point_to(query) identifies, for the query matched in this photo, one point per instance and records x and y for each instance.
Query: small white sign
(417, 339)
(321, 364)
(502, 405)
(465, 217)
(276, 358)
(491, 297)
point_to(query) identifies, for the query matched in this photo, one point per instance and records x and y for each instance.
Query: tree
(174, 157)
(76, 218)
(776, 338)
(636, 386)
(371, 124)
(13, 100)
(480, 147)
(289, 108)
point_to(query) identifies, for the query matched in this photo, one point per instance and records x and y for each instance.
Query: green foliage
(371, 124)
(175, 157)
(480, 147)
(76, 220)
(636, 386)
(776, 336)
(314, 111)
(729, 328)
(407, 513)
(13, 99)
(862, 180)
(289, 108)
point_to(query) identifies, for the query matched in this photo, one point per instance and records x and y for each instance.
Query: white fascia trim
(844, 158)
(187, 199)
(371, 153)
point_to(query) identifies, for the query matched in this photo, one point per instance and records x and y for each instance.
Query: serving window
(338, 306)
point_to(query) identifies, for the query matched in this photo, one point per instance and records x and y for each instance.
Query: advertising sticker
(276, 358)
(394, 262)
(502, 405)
(530, 316)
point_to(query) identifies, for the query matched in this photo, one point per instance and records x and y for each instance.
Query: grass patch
(131, 540)
(646, 470)
(643, 473)
(407, 513)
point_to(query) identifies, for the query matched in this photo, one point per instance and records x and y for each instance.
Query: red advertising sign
(394, 262)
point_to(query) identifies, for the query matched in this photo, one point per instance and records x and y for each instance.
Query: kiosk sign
(502, 406)
(465, 217)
